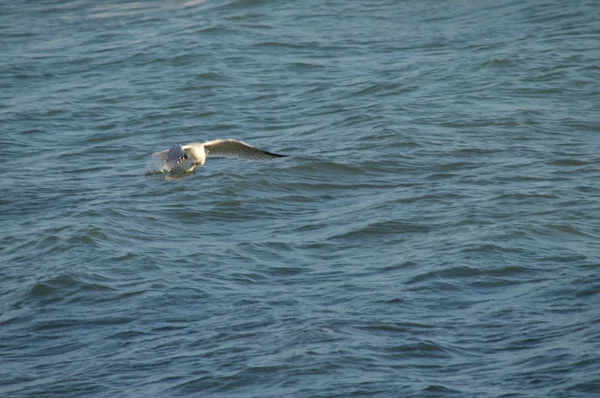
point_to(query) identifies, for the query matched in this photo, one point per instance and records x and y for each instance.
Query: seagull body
(197, 153)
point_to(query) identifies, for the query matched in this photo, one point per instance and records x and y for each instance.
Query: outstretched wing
(162, 155)
(171, 157)
(237, 149)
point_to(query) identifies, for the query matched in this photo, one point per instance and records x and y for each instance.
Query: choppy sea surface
(433, 233)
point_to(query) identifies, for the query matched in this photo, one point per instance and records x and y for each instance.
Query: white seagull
(197, 152)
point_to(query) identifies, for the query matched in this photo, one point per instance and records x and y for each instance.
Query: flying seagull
(196, 153)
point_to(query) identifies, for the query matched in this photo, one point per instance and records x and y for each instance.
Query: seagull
(197, 152)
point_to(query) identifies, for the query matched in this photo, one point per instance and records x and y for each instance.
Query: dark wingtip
(276, 155)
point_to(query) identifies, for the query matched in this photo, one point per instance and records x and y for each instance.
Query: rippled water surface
(435, 231)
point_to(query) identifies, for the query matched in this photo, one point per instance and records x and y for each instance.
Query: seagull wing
(237, 149)
(171, 157)
(162, 155)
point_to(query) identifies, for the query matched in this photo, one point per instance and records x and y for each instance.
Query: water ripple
(433, 233)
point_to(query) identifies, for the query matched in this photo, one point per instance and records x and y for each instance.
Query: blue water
(433, 233)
